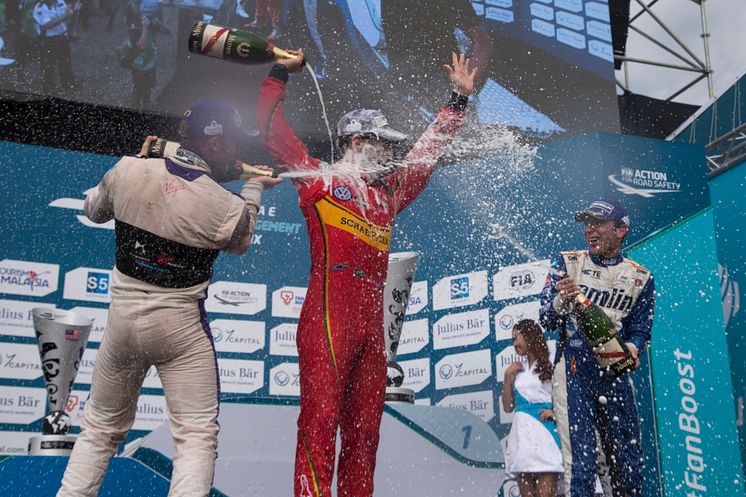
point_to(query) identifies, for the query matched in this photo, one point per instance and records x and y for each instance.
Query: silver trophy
(61, 336)
(395, 300)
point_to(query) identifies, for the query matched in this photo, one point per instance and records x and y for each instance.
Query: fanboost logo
(446, 371)
(77, 205)
(730, 293)
(282, 378)
(643, 183)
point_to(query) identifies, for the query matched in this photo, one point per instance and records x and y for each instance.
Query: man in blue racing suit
(587, 401)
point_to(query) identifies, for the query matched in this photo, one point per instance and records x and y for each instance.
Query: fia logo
(522, 279)
(97, 283)
(460, 288)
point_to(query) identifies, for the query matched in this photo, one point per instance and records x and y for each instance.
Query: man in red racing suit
(349, 210)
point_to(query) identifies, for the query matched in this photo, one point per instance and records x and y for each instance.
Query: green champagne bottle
(600, 332)
(233, 44)
(161, 148)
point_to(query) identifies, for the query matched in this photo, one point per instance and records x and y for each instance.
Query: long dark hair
(537, 345)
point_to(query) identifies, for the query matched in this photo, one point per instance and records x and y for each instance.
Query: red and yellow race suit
(340, 333)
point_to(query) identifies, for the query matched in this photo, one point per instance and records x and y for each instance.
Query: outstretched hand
(461, 77)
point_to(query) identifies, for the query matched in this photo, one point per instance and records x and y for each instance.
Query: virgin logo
(173, 187)
(72, 403)
(286, 296)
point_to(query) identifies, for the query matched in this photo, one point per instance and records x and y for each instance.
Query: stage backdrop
(727, 190)
(485, 229)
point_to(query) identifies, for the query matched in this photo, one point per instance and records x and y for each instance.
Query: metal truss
(671, 44)
(726, 151)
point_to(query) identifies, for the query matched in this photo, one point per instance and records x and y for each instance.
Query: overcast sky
(726, 20)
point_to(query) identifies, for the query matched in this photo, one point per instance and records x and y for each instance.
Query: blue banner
(485, 229)
(727, 190)
(692, 389)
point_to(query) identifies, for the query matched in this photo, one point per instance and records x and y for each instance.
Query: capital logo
(460, 288)
(730, 293)
(76, 204)
(286, 296)
(282, 378)
(506, 322)
(645, 183)
(445, 371)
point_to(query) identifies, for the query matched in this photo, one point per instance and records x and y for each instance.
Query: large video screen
(544, 66)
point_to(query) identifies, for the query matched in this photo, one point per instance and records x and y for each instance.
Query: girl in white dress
(533, 453)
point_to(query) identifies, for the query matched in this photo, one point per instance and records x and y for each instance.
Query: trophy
(395, 300)
(61, 336)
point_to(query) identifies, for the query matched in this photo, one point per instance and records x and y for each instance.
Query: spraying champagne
(161, 148)
(233, 44)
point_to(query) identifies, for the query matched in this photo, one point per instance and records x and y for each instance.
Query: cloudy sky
(726, 21)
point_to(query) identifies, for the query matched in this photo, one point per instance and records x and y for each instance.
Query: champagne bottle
(233, 44)
(161, 148)
(600, 332)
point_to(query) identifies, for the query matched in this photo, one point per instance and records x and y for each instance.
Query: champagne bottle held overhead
(600, 332)
(162, 148)
(233, 44)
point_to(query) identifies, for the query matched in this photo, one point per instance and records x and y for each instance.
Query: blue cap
(210, 118)
(368, 122)
(603, 210)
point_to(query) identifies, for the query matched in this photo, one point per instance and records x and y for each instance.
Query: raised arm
(288, 151)
(422, 159)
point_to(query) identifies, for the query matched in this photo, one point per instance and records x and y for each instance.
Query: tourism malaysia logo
(28, 278)
(642, 182)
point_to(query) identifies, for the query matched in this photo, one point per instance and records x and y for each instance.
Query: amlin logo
(28, 278)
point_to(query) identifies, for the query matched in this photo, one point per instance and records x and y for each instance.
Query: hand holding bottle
(567, 289)
(266, 181)
(295, 64)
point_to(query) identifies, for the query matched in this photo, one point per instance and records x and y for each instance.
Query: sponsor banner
(415, 335)
(288, 301)
(460, 370)
(20, 362)
(506, 418)
(417, 298)
(151, 412)
(510, 315)
(88, 283)
(21, 405)
(87, 362)
(28, 278)
(522, 280)
(284, 379)
(465, 328)
(505, 358)
(16, 318)
(646, 183)
(480, 403)
(460, 290)
(100, 317)
(240, 376)
(416, 374)
(231, 335)
(15, 443)
(236, 298)
(282, 340)
(152, 379)
(510, 486)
